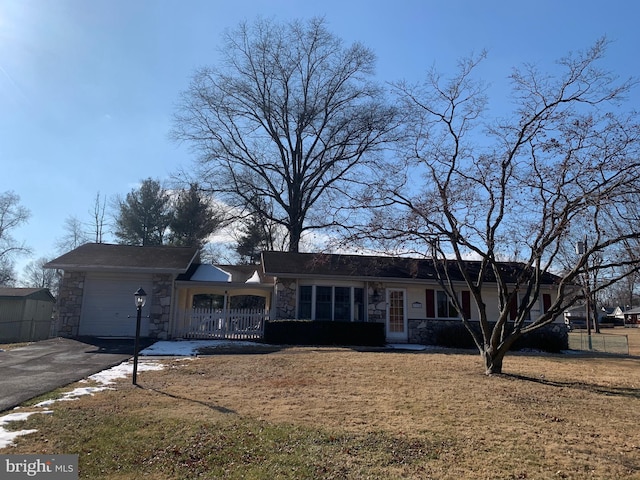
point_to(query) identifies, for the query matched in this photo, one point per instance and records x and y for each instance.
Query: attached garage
(108, 307)
(96, 297)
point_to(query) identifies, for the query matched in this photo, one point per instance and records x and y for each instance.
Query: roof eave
(197, 283)
(109, 268)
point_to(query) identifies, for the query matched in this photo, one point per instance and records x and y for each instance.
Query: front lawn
(338, 413)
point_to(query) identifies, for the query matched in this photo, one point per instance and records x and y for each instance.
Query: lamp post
(140, 298)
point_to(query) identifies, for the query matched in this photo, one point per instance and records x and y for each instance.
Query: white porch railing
(238, 323)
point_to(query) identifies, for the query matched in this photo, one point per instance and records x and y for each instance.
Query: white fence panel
(240, 323)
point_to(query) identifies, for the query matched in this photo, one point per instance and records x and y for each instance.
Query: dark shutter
(431, 304)
(546, 302)
(466, 304)
(513, 307)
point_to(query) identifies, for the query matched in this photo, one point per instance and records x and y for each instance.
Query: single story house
(188, 299)
(632, 317)
(183, 296)
(25, 314)
(403, 293)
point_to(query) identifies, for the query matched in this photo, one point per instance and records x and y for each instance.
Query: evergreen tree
(144, 215)
(193, 219)
(253, 240)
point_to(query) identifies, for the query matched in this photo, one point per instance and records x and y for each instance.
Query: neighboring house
(632, 317)
(25, 314)
(187, 299)
(612, 316)
(403, 293)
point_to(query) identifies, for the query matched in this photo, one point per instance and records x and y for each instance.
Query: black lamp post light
(141, 298)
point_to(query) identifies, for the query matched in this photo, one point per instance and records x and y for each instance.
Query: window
(445, 308)
(323, 303)
(342, 303)
(319, 302)
(209, 302)
(304, 302)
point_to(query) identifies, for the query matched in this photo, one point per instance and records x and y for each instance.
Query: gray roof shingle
(103, 256)
(286, 264)
(34, 293)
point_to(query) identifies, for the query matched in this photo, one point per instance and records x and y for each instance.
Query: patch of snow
(255, 278)
(73, 395)
(210, 273)
(105, 377)
(6, 437)
(189, 348)
(407, 346)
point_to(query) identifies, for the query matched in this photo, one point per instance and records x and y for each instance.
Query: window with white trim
(323, 302)
(444, 306)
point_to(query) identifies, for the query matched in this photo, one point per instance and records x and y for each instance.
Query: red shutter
(431, 304)
(546, 302)
(466, 304)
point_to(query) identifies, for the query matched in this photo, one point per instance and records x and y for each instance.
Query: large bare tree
(35, 275)
(563, 166)
(283, 122)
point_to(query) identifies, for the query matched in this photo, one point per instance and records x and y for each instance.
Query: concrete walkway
(40, 367)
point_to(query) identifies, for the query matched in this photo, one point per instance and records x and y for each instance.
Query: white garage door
(108, 307)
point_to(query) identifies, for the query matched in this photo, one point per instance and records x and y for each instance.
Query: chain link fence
(599, 342)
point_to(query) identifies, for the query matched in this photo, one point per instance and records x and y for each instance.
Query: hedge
(317, 332)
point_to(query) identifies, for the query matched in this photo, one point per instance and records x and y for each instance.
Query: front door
(396, 315)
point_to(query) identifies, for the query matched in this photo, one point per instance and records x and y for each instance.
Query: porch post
(225, 312)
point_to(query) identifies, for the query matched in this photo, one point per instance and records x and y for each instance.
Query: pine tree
(144, 215)
(194, 220)
(253, 240)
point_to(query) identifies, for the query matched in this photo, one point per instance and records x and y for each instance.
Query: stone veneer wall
(426, 332)
(70, 304)
(160, 306)
(286, 291)
(376, 307)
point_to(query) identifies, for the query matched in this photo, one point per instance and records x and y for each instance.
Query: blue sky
(88, 87)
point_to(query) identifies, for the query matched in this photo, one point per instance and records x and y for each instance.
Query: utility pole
(581, 249)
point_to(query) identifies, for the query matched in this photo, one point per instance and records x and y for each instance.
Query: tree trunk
(295, 235)
(492, 361)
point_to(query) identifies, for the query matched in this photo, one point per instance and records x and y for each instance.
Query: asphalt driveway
(40, 367)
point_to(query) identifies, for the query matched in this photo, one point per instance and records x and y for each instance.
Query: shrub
(316, 332)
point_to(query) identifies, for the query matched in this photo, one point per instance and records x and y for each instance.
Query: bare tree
(565, 163)
(12, 216)
(75, 235)
(36, 276)
(98, 217)
(285, 121)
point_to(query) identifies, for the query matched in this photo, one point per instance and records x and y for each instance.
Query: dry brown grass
(632, 334)
(375, 415)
